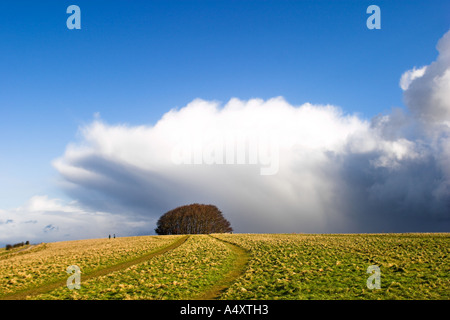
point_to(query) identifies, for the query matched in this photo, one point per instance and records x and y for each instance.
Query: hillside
(233, 266)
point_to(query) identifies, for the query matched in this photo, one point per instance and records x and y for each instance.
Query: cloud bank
(428, 95)
(268, 165)
(44, 219)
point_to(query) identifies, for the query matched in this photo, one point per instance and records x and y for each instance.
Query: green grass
(277, 266)
(3, 250)
(413, 266)
(47, 263)
(182, 273)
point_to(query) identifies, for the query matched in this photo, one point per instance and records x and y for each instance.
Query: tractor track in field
(22, 295)
(238, 269)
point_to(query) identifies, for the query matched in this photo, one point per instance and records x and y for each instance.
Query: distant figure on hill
(110, 236)
(114, 235)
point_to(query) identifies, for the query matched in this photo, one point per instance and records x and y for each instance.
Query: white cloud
(42, 219)
(44, 204)
(268, 165)
(133, 169)
(410, 75)
(428, 95)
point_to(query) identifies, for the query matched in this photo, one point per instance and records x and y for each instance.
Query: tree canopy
(193, 219)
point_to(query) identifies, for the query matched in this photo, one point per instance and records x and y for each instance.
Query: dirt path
(13, 253)
(237, 270)
(31, 246)
(123, 265)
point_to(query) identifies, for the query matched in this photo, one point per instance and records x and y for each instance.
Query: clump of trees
(193, 219)
(20, 244)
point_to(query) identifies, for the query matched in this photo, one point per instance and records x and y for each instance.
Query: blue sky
(134, 61)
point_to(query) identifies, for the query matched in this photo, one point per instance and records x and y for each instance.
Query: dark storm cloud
(268, 165)
(274, 167)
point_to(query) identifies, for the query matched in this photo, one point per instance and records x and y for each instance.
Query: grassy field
(233, 266)
(47, 262)
(412, 266)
